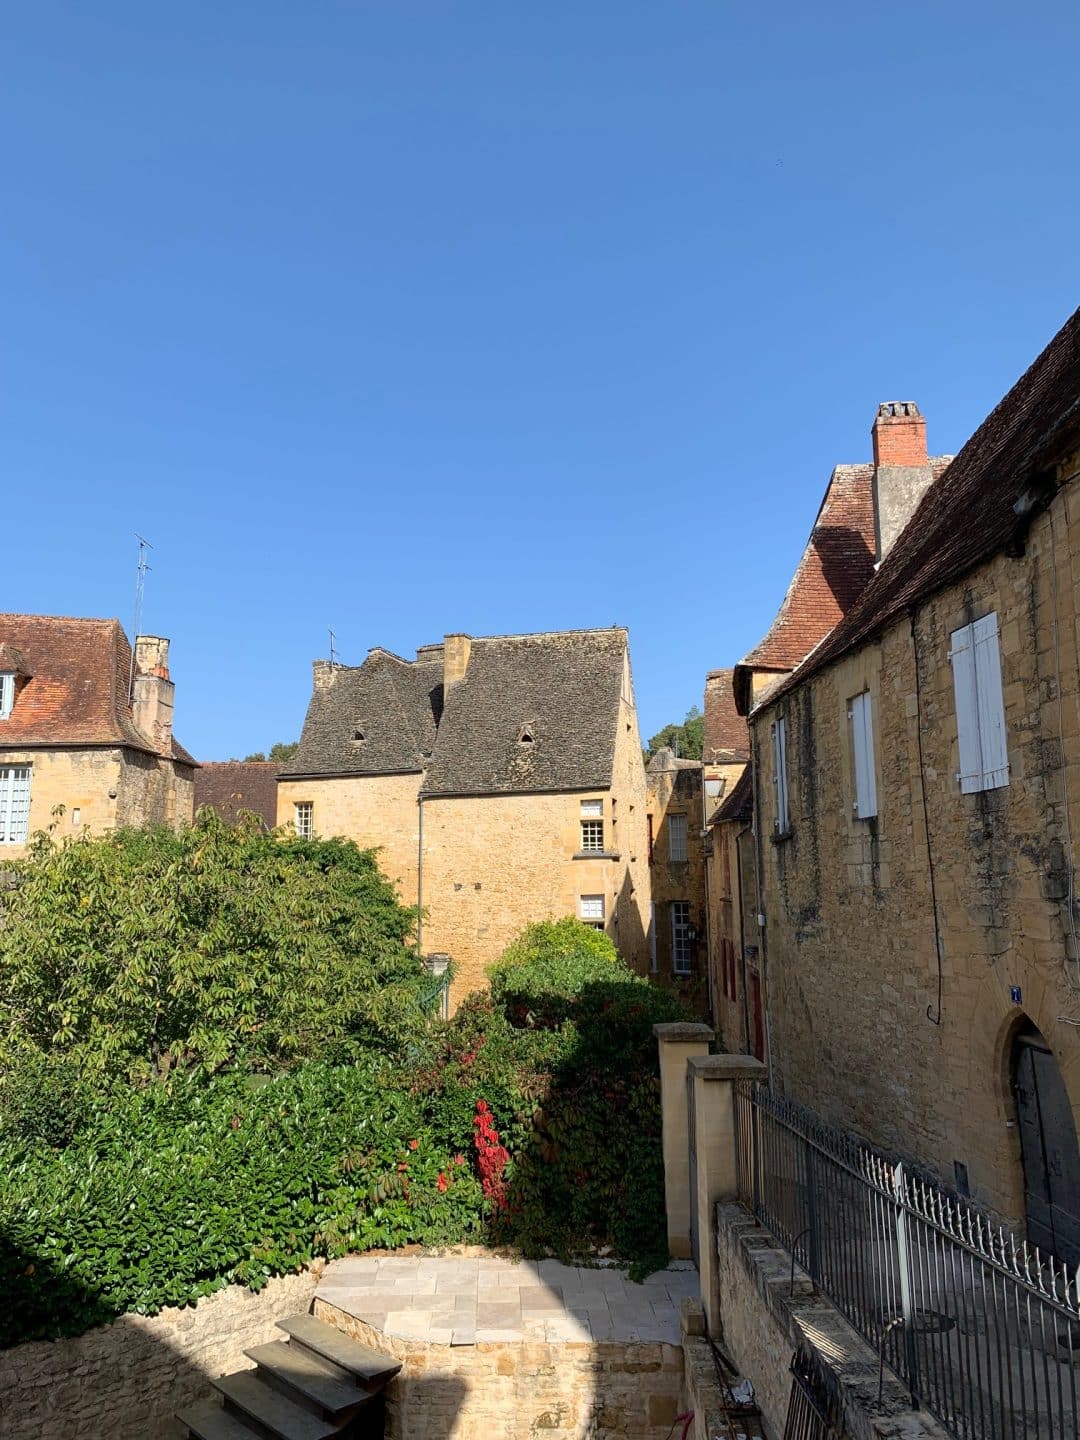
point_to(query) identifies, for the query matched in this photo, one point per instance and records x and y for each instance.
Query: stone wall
(125, 1381)
(676, 790)
(376, 811)
(520, 1391)
(851, 905)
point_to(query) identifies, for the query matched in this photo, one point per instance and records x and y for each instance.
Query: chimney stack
(902, 471)
(323, 673)
(153, 693)
(456, 651)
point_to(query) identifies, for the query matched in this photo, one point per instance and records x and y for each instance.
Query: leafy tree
(687, 739)
(280, 753)
(146, 950)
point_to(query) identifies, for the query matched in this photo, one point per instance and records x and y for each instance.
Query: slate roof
(393, 703)
(77, 691)
(561, 688)
(835, 568)
(727, 737)
(738, 803)
(229, 786)
(969, 515)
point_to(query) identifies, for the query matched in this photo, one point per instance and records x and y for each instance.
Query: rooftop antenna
(140, 582)
(333, 652)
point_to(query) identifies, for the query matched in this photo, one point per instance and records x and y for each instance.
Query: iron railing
(983, 1329)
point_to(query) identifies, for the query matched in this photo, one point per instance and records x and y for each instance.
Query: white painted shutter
(992, 735)
(862, 736)
(962, 655)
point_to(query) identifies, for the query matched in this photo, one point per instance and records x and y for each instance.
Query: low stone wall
(764, 1319)
(518, 1391)
(125, 1381)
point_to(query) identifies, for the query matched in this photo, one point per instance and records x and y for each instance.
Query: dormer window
(7, 693)
(525, 736)
(358, 737)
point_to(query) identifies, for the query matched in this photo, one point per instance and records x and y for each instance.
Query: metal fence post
(907, 1302)
(811, 1214)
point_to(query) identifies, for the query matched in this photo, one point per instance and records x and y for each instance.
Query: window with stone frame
(14, 804)
(304, 819)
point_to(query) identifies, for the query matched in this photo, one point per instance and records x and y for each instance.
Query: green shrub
(42, 1097)
(146, 950)
(554, 958)
(170, 1192)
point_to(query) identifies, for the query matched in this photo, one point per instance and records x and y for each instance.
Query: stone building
(678, 938)
(736, 989)
(500, 776)
(233, 787)
(85, 727)
(916, 783)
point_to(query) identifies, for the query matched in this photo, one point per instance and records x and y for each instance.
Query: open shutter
(962, 655)
(862, 736)
(992, 734)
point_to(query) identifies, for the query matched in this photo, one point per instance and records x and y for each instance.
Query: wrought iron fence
(983, 1329)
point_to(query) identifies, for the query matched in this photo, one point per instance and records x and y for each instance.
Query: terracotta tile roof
(727, 737)
(229, 786)
(76, 693)
(969, 515)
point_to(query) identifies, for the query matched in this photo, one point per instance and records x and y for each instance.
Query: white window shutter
(992, 733)
(962, 655)
(862, 728)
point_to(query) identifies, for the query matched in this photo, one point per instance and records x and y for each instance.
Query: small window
(861, 715)
(676, 837)
(14, 804)
(304, 819)
(780, 776)
(592, 836)
(7, 693)
(358, 737)
(592, 910)
(980, 706)
(525, 737)
(591, 809)
(680, 937)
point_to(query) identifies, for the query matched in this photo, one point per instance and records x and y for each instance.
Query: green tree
(687, 739)
(141, 951)
(280, 753)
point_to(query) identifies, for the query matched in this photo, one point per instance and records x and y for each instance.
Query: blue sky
(410, 318)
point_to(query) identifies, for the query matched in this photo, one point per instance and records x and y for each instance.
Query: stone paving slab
(465, 1301)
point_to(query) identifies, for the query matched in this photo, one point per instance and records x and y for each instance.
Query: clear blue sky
(416, 317)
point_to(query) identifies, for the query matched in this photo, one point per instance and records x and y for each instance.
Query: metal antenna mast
(140, 582)
(333, 652)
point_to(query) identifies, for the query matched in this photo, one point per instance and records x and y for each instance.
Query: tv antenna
(140, 583)
(333, 651)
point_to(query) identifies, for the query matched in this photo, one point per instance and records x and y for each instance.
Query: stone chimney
(323, 674)
(902, 471)
(153, 695)
(456, 652)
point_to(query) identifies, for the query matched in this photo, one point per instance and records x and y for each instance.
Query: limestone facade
(479, 771)
(678, 937)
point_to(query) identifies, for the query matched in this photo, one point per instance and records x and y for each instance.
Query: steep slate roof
(969, 515)
(393, 703)
(77, 693)
(727, 737)
(563, 687)
(835, 568)
(229, 786)
(738, 803)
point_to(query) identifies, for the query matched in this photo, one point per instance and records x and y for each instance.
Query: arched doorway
(1048, 1146)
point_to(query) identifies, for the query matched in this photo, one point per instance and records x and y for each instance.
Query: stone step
(372, 1369)
(269, 1411)
(209, 1421)
(295, 1369)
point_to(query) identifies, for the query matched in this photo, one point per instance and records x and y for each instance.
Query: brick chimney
(153, 695)
(902, 471)
(456, 652)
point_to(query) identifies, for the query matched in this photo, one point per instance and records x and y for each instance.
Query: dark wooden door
(1050, 1152)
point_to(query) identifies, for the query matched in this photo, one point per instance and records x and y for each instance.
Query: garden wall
(125, 1381)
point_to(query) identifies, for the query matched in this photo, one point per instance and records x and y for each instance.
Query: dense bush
(173, 1190)
(571, 1079)
(150, 949)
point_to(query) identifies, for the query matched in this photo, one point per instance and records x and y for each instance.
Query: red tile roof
(969, 515)
(229, 786)
(726, 735)
(77, 690)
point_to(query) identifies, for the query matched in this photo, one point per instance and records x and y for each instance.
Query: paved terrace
(463, 1301)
